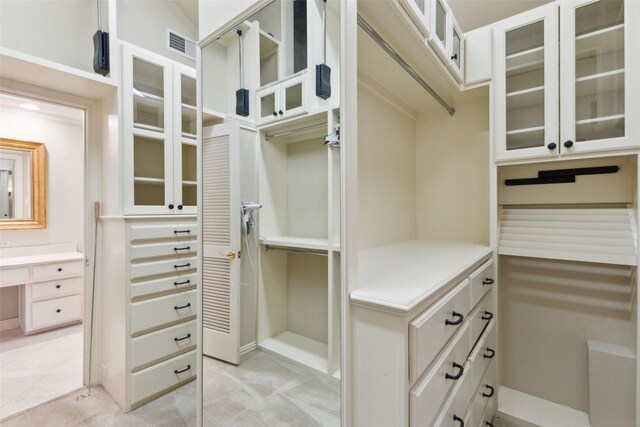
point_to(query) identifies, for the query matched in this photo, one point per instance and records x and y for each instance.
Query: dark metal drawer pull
(179, 371)
(182, 265)
(186, 248)
(491, 391)
(180, 307)
(184, 282)
(487, 281)
(487, 315)
(458, 419)
(488, 424)
(459, 318)
(181, 231)
(182, 338)
(489, 354)
(458, 375)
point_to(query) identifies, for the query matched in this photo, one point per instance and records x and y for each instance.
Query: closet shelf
(599, 119)
(521, 408)
(190, 183)
(301, 349)
(596, 235)
(151, 181)
(599, 42)
(603, 83)
(525, 98)
(523, 62)
(298, 242)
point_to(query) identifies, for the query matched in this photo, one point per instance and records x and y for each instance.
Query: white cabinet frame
(420, 18)
(441, 48)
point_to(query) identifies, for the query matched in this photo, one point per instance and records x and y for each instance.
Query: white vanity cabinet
(590, 75)
(160, 134)
(282, 100)
(51, 285)
(150, 298)
(417, 318)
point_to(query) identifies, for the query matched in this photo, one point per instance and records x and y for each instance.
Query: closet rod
(294, 131)
(391, 51)
(295, 251)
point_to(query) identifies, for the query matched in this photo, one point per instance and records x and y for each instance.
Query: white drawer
(155, 313)
(151, 348)
(483, 354)
(57, 270)
(56, 288)
(56, 311)
(167, 284)
(162, 377)
(430, 331)
(485, 396)
(456, 413)
(171, 266)
(427, 397)
(165, 231)
(183, 248)
(482, 280)
(14, 276)
(482, 315)
(487, 418)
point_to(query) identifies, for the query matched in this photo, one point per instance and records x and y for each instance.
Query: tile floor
(37, 368)
(265, 390)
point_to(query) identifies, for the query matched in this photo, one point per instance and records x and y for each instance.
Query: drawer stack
(452, 345)
(52, 296)
(162, 308)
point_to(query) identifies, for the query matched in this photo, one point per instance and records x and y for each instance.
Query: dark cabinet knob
(568, 144)
(170, 206)
(59, 269)
(58, 311)
(458, 318)
(275, 114)
(455, 56)
(280, 112)
(456, 376)
(57, 286)
(179, 207)
(552, 146)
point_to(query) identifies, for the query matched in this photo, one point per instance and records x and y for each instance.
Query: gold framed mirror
(23, 185)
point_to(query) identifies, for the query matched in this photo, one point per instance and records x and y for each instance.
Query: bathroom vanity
(50, 280)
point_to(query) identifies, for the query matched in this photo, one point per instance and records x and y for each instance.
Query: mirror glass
(270, 220)
(22, 186)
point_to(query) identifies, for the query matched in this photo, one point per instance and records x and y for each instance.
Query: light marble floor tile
(37, 368)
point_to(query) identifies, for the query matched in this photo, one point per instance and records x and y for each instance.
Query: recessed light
(29, 106)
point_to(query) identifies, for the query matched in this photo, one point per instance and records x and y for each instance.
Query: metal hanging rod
(391, 51)
(295, 251)
(294, 131)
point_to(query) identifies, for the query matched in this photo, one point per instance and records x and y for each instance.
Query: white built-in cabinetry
(150, 303)
(282, 99)
(569, 97)
(159, 134)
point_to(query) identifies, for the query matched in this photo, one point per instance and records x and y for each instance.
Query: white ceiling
(472, 14)
(11, 103)
(190, 9)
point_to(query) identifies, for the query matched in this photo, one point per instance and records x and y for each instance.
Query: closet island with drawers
(490, 236)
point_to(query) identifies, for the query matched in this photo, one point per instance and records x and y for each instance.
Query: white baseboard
(247, 348)
(7, 324)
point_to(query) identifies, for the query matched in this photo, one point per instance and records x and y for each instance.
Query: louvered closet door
(221, 243)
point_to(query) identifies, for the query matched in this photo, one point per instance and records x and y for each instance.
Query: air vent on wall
(180, 44)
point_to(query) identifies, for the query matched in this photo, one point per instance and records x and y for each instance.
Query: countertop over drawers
(399, 277)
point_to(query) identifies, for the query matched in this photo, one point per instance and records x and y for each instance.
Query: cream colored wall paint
(548, 311)
(452, 174)
(213, 14)
(386, 172)
(60, 31)
(65, 187)
(145, 22)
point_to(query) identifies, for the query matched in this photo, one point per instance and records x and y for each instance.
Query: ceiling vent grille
(180, 44)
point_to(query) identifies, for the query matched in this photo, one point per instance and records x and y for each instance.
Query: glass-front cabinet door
(595, 75)
(147, 109)
(418, 11)
(185, 139)
(439, 35)
(526, 84)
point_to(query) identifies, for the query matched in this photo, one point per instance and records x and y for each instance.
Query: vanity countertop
(44, 254)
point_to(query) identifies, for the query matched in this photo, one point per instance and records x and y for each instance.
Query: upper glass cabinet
(419, 12)
(440, 34)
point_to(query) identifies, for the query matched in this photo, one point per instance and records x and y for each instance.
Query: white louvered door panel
(220, 237)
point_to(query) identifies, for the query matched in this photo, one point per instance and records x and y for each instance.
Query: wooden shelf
(190, 183)
(579, 234)
(523, 62)
(525, 98)
(600, 42)
(148, 128)
(300, 349)
(211, 117)
(150, 181)
(601, 83)
(146, 95)
(599, 119)
(296, 242)
(189, 107)
(524, 409)
(189, 136)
